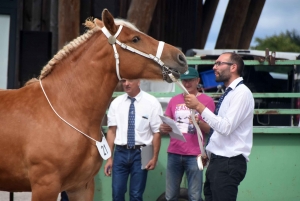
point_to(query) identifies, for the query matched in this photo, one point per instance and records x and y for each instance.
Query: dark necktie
(218, 107)
(217, 110)
(131, 124)
(221, 100)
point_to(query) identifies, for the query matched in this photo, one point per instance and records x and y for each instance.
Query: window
(4, 48)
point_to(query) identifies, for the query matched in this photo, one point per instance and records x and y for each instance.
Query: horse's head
(146, 57)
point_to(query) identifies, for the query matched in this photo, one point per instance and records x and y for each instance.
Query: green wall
(273, 172)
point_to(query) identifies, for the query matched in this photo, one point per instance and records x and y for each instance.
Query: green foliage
(284, 42)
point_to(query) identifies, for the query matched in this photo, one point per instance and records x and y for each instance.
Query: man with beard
(231, 125)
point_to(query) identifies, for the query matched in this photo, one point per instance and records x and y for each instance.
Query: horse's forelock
(126, 24)
(93, 22)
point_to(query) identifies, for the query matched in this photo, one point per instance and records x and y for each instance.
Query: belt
(134, 147)
(217, 156)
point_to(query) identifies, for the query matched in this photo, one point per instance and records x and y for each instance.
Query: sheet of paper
(175, 130)
(146, 155)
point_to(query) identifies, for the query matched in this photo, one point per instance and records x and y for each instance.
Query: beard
(223, 77)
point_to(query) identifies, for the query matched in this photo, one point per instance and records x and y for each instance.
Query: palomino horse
(42, 153)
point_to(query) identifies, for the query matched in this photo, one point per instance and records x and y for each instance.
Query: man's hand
(192, 102)
(165, 128)
(204, 160)
(151, 164)
(196, 119)
(108, 167)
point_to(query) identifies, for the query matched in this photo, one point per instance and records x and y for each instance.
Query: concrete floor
(24, 196)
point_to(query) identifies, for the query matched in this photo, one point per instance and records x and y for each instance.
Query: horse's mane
(67, 49)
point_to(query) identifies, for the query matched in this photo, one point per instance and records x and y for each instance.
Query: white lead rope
(63, 118)
(199, 133)
(102, 146)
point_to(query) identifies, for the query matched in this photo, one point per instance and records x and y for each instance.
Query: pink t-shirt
(178, 111)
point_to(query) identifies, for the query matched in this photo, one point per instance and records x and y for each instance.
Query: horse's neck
(81, 87)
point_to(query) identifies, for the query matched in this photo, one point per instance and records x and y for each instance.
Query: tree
(284, 42)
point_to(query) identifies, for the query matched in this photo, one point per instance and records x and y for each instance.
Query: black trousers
(223, 176)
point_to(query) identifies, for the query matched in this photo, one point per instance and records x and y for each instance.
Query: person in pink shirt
(182, 155)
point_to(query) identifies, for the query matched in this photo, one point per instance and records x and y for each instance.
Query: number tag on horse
(103, 148)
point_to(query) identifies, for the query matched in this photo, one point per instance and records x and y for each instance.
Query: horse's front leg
(45, 189)
(85, 193)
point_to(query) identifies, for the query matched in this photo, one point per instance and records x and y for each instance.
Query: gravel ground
(25, 196)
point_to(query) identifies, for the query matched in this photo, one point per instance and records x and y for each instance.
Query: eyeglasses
(219, 63)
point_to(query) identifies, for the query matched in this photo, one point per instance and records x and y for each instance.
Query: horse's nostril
(181, 59)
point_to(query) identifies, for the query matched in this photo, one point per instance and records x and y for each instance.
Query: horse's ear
(108, 21)
(98, 22)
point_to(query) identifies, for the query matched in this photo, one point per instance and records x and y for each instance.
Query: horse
(49, 126)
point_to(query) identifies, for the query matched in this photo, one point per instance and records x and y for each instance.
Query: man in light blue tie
(133, 122)
(231, 124)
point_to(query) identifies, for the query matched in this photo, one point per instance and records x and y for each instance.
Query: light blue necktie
(131, 124)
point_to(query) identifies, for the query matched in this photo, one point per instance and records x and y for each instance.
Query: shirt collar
(235, 82)
(137, 97)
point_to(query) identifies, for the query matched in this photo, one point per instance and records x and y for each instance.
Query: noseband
(112, 39)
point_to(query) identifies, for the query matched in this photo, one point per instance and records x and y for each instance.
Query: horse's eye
(135, 39)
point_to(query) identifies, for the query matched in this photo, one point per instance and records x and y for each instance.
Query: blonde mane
(67, 49)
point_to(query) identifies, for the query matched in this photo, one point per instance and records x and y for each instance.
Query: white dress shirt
(147, 121)
(233, 126)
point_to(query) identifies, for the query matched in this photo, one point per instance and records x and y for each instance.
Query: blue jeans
(177, 165)
(128, 162)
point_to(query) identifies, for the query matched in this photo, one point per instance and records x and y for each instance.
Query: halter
(113, 40)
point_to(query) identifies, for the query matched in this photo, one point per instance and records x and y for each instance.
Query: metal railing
(270, 111)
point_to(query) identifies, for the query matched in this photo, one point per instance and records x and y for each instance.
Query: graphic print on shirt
(182, 118)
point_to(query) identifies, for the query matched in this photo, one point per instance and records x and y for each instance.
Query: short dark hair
(237, 59)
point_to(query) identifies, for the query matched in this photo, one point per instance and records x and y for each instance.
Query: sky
(277, 16)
